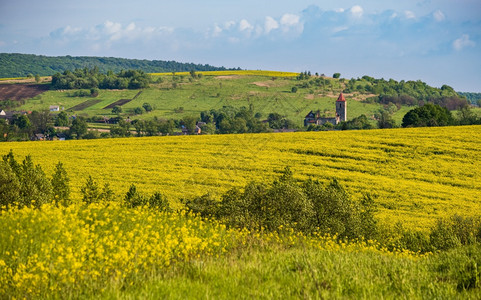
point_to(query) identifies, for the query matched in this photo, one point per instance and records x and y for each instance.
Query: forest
(21, 65)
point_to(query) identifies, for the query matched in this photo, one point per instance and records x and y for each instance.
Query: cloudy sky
(437, 41)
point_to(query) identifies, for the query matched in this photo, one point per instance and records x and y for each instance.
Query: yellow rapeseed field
(415, 175)
(66, 252)
(234, 72)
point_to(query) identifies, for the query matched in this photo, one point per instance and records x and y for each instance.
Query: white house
(54, 108)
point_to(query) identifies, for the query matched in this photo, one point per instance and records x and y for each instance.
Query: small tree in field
(60, 185)
(117, 109)
(147, 107)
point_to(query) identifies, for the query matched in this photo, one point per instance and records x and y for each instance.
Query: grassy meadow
(267, 91)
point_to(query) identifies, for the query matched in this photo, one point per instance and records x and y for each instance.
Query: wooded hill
(20, 65)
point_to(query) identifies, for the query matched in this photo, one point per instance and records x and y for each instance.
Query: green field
(266, 93)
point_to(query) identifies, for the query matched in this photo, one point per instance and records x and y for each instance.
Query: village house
(314, 117)
(54, 108)
(10, 115)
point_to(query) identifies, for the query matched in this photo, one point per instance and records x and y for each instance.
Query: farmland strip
(85, 104)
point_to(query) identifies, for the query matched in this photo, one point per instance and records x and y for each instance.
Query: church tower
(341, 110)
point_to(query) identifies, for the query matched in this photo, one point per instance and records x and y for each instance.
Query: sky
(436, 41)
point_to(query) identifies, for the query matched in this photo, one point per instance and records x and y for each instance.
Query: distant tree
(189, 123)
(466, 116)
(36, 189)
(133, 198)
(79, 127)
(9, 185)
(428, 115)
(122, 129)
(147, 107)
(294, 90)
(158, 201)
(62, 119)
(94, 92)
(138, 111)
(40, 120)
(23, 122)
(37, 78)
(336, 75)
(385, 120)
(117, 109)
(166, 126)
(90, 191)
(361, 122)
(60, 185)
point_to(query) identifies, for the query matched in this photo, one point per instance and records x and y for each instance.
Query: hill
(21, 65)
(416, 175)
(175, 97)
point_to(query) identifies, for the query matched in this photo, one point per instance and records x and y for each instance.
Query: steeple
(341, 98)
(341, 109)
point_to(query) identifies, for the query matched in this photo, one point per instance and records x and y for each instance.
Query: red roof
(341, 98)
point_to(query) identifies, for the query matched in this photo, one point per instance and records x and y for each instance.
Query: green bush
(134, 199)
(285, 203)
(23, 184)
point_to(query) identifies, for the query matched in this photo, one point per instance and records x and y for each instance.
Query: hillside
(415, 175)
(175, 97)
(21, 65)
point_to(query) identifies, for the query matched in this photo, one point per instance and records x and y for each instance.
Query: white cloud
(339, 10)
(111, 27)
(463, 42)
(229, 24)
(409, 14)
(290, 20)
(357, 11)
(270, 24)
(245, 25)
(217, 30)
(339, 29)
(71, 30)
(439, 16)
(130, 27)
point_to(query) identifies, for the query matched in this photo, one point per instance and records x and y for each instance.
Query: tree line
(412, 93)
(92, 79)
(20, 65)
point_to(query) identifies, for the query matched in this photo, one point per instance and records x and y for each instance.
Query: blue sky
(438, 42)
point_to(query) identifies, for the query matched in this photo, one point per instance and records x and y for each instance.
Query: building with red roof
(315, 118)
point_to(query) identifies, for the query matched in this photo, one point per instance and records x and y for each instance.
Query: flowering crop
(235, 72)
(84, 249)
(66, 249)
(415, 175)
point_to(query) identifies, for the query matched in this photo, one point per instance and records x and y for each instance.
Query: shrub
(308, 207)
